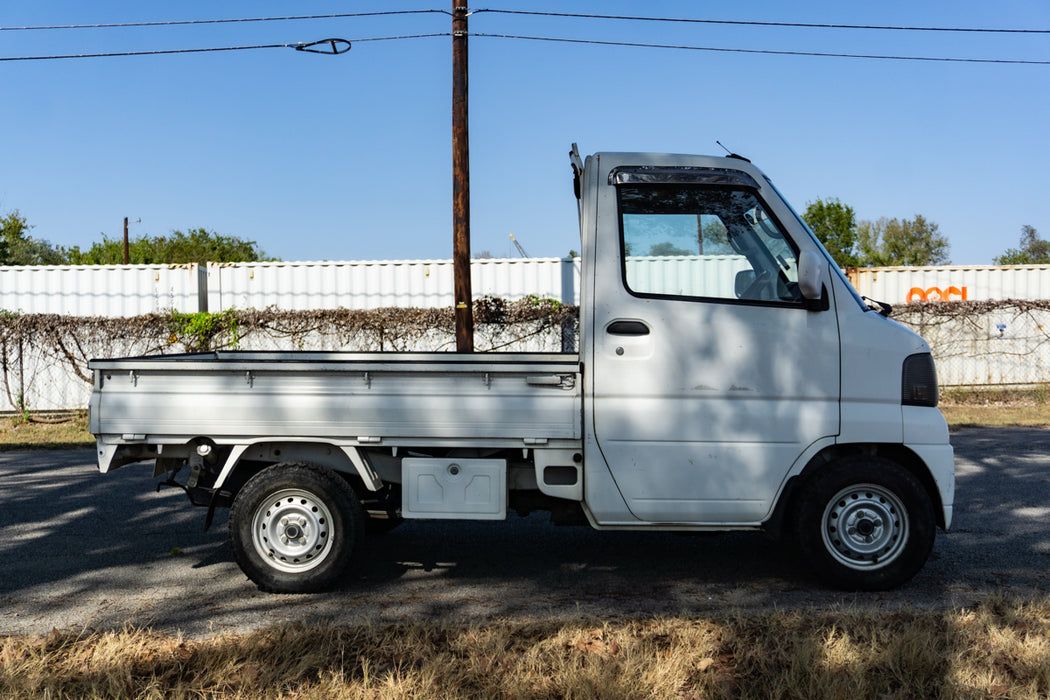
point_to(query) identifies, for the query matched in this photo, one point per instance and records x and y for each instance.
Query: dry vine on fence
(35, 348)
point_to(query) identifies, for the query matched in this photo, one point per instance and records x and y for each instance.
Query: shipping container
(383, 283)
(102, 290)
(904, 285)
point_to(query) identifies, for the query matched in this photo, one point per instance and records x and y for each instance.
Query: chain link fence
(984, 343)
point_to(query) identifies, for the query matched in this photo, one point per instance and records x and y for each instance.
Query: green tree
(835, 224)
(667, 248)
(196, 245)
(17, 247)
(892, 242)
(1033, 250)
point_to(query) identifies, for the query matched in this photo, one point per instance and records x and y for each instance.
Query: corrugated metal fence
(119, 291)
(379, 284)
(102, 290)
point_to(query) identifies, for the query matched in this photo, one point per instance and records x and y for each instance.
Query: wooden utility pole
(125, 240)
(461, 183)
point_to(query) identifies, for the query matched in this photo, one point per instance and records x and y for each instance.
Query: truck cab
(731, 370)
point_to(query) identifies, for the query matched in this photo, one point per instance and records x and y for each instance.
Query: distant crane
(518, 246)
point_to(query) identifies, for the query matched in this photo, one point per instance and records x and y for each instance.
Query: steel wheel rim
(865, 527)
(291, 530)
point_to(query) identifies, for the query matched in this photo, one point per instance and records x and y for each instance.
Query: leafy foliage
(882, 243)
(197, 245)
(891, 242)
(1033, 250)
(835, 224)
(667, 248)
(205, 331)
(17, 247)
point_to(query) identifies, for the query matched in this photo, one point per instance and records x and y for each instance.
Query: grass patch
(996, 407)
(995, 416)
(58, 432)
(997, 649)
(1035, 395)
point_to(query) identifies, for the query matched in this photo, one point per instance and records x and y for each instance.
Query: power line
(744, 23)
(633, 44)
(173, 23)
(635, 18)
(299, 46)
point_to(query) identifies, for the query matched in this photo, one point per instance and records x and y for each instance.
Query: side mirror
(811, 280)
(744, 280)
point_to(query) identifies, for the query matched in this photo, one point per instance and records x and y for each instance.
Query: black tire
(865, 523)
(294, 527)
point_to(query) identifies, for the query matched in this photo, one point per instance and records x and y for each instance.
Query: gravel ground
(84, 550)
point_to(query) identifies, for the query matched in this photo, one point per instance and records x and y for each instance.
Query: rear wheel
(865, 523)
(294, 526)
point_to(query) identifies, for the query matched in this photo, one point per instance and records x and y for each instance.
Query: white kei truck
(728, 377)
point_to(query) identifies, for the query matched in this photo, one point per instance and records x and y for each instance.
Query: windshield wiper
(882, 307)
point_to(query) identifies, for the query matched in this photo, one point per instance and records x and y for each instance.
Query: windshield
(834, 265)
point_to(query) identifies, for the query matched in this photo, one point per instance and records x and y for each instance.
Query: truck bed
(368, 399)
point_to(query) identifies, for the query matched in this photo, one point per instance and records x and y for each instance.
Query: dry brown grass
(45, 433)
(996, 407)
(998, 649)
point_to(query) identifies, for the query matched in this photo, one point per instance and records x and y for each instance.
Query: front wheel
(293, 527)
(865, 523)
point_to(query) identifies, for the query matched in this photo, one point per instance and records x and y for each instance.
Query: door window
(713, 242)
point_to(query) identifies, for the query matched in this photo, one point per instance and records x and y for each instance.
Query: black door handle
(627, 328)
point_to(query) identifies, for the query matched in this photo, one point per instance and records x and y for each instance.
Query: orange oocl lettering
(935, 294)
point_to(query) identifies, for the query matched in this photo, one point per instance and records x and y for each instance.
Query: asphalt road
(84, 550)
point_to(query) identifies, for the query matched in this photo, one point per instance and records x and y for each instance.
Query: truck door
(710, 375)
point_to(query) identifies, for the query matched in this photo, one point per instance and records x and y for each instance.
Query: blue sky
(349, 157)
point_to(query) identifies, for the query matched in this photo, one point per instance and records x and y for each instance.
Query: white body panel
(362, 399)
(701, 418)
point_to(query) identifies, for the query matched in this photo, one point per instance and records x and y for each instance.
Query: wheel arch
(347, 460)
(895, 452)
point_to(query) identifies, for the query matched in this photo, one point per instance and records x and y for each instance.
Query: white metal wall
(101, 290)
(378, 284)
(902, 285)
(681, 275)
(117, 290)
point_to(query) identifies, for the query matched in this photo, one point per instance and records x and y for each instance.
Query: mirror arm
(819, 304)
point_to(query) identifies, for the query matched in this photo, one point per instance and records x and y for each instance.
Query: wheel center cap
(865, 527)
(293, 532)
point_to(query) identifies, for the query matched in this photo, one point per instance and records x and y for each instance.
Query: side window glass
(705, 242)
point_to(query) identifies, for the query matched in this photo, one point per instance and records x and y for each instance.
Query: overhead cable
(174, 23)
(633, 44)
(745, 23)
(299, 46)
